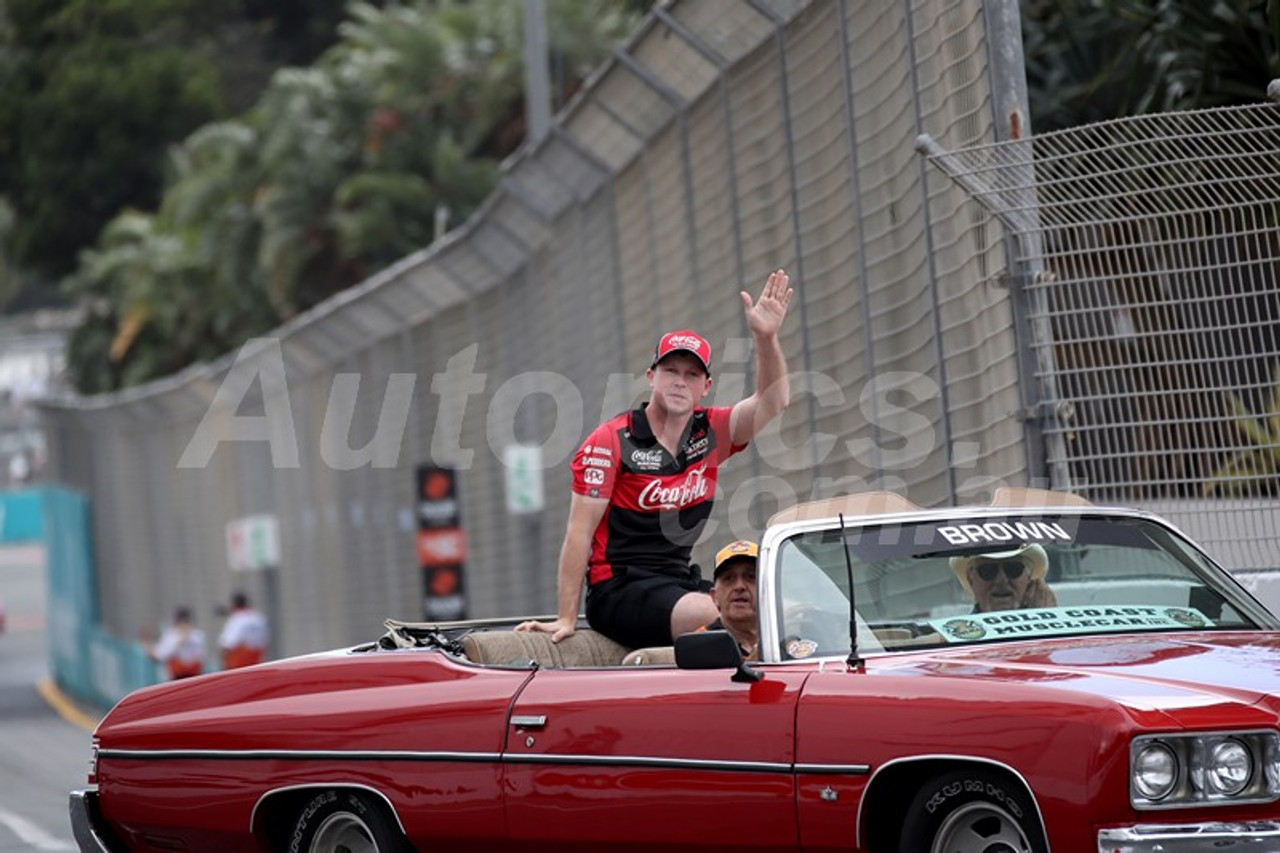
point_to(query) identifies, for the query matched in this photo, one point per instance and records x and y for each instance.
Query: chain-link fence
(1151, 257)
(722, 141)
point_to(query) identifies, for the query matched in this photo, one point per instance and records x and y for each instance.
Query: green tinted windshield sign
(874, 543)
(1049, 621)
(1002, 533)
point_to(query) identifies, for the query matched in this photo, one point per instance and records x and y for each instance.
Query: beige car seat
(652, 656)
(582, 648)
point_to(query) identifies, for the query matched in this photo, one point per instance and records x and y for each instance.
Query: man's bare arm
(584, 517)
(773, 387)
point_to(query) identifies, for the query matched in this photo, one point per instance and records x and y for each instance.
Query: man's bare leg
(692, 611)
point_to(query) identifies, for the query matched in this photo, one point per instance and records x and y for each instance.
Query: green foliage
(153, 307)
(92, 93)
(79, 165)
(337, 171)
(339, 168)
(85, 113)
(1093, 60)
(1254, 470)
(7, 277)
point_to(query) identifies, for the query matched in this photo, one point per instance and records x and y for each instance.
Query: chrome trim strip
(654, 761)
(309, 754)
(1241, 836)
(481, 757)
(835, 769)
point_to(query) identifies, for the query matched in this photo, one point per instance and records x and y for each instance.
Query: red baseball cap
(683, 341)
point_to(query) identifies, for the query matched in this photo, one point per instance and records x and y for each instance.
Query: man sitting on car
(1006, 580)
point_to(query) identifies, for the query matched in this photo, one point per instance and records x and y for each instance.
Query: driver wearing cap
(734, 592)
(1006, 580)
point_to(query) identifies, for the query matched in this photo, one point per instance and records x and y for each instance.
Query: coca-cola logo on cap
(690, 342)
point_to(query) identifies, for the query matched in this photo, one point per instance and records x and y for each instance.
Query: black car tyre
(972, 811)
(339, 821)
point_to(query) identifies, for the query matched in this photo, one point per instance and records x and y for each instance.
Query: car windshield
(988, 579)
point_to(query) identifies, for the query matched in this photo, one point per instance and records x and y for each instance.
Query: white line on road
(31, 834)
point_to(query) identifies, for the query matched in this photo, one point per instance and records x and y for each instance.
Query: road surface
(42, 754)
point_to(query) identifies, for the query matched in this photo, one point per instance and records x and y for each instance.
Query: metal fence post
(1024, 252)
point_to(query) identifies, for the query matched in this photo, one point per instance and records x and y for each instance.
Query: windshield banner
(1048, 621)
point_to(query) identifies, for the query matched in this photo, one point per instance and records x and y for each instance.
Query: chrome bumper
(1261, 836)
(86, 824)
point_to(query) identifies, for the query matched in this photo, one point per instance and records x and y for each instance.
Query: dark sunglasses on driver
(1013, 569)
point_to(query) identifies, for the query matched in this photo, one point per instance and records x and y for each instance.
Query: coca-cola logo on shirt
(646, 460)
(658, 496)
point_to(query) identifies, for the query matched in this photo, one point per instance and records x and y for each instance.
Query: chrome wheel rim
(980, 828)
(343, 833)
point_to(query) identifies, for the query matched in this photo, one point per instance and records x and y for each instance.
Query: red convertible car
(1035, 675)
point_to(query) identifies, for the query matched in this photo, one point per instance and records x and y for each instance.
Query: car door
(645, 758)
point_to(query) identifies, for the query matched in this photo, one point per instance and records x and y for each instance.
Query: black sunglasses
(1013, 569)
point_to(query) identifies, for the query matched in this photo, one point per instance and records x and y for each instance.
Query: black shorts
(634, 606)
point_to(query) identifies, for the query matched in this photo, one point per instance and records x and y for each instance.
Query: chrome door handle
(529, 721)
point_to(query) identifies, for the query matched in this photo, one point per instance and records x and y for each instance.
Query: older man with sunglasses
(1006, 580)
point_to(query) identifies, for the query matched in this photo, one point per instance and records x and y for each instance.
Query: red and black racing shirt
(658, 503)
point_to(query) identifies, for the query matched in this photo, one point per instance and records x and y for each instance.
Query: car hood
(1153, 671)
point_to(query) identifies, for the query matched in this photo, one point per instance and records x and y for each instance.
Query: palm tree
(338, 171)
(216, 176)
(135, 283)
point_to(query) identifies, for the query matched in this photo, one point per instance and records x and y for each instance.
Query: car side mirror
(713, 650)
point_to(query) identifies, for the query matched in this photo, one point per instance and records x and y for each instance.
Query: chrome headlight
(1228, 768)
(1155, 771)
(1207, 768)
(1271, 764)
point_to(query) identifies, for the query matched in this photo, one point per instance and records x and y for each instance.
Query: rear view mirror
(713, 650)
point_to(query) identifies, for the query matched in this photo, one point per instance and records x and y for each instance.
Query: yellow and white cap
(733, 551)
